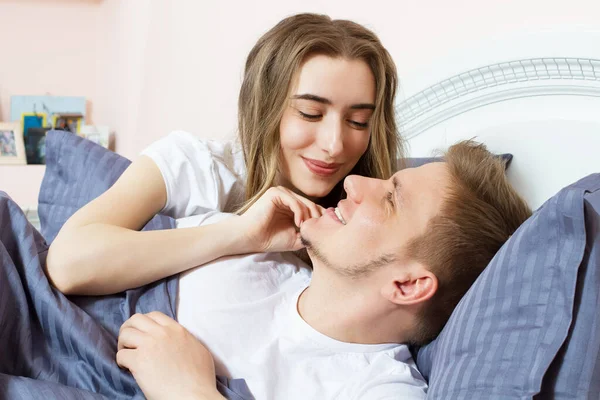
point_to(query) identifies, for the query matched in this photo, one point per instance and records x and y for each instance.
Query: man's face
(379, 217)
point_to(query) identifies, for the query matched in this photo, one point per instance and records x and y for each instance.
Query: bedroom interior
(521, 77)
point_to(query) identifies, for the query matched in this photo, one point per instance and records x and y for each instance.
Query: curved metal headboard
(495, 83)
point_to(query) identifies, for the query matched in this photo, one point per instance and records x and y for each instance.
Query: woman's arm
(99, 250)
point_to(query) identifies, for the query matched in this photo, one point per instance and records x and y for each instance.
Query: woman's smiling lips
(321, 168)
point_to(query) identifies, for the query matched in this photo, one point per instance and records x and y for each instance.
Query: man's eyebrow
(323, 100)
(397, 187)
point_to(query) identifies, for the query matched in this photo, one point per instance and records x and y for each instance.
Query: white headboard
(543, 110)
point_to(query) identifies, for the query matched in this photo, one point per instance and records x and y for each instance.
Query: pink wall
(48, 47)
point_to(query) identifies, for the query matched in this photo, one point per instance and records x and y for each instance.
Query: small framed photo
(35, 145)
(67, 122)
(12, 149)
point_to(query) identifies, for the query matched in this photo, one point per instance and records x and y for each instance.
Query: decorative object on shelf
(67, 122)
(36, 145)
(98, 134)
(33, 120)
(12, 148)
(63, 112)
(29, 121)
(50, 105)
(53, 106)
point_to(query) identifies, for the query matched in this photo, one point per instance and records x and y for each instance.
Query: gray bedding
(57, 347)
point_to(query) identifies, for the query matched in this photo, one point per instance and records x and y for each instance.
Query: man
(390, 263)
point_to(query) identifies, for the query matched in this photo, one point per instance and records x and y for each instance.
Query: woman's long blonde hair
(270, 68)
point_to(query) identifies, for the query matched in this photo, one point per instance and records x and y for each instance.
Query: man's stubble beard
(353, 271)
(314, 251)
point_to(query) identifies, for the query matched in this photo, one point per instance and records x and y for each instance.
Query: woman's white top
(200, 175)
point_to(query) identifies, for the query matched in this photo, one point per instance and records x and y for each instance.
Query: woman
(316, 104)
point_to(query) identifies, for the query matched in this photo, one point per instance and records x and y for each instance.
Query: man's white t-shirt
(244, 308)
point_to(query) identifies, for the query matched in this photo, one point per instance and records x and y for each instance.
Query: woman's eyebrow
(363, 106)
(312, 97)
(323, 100)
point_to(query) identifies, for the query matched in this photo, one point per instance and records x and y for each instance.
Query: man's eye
(389, 198)
(310, 117)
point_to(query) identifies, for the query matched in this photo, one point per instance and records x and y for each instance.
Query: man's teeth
(339, 215)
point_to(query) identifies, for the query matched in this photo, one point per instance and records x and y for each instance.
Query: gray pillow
(575, 372)
(78, 171)
(530, 322)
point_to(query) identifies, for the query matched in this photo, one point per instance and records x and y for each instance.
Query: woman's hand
(165, 359)
(273, 222)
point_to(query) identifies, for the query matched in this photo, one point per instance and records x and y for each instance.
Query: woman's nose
(331, 138)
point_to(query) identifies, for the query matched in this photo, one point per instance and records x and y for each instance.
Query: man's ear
(411, 287)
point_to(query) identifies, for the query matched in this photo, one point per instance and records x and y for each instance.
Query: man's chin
(305, 242)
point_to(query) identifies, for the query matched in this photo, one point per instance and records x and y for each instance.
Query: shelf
(5, 166)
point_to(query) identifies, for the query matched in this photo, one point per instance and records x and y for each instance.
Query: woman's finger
(299, 209)
(314, 209)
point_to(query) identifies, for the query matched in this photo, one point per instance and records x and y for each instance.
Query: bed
(526, 329)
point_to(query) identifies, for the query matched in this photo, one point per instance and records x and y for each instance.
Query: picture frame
(32, 120)
(46, 104)
(12, 147)
(67, 122)
(35, 145)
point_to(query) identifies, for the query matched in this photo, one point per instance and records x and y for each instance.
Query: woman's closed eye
(316, 117)
(310, 117)
(359, 125)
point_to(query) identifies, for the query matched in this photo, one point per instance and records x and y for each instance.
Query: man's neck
(338, 307)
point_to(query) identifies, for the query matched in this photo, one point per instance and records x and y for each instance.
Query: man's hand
(272, 223)
(165, 359)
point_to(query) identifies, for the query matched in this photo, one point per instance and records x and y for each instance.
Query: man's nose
(359, 188)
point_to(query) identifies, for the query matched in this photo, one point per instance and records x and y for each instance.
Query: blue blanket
(58, 347)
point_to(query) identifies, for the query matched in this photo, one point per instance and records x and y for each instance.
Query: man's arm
(166, 360)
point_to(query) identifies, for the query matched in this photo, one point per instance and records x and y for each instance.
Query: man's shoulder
(389, 375)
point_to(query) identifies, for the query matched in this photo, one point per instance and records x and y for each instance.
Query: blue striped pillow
(524, 309)
(78, 171)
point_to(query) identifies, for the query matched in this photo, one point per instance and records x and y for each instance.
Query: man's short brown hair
(479, 214)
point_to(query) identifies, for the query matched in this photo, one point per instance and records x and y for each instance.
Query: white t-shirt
(200, 175)
(244, 309)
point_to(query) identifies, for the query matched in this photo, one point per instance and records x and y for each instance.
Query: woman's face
(325, 128)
